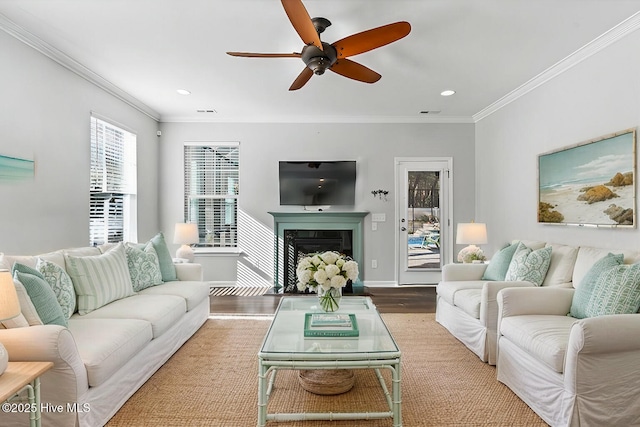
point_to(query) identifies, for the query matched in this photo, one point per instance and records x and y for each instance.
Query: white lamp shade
(9, 304)
(472, 233)
(186, 233)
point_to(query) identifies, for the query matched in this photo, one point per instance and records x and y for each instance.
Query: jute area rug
(212, 381)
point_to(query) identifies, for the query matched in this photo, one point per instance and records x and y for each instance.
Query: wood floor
(402, 299)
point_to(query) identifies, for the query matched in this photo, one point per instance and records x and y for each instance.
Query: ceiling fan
(319, 56)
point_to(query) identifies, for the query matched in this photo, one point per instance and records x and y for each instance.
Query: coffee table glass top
(286, 334)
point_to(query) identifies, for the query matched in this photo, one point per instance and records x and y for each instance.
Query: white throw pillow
(99, 279)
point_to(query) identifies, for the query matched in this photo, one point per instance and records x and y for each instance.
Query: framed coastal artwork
(590, 184)
(14, 169)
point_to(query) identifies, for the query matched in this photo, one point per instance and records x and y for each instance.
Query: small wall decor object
(185, 234)
(590, 184)
(14, 169)
(380, 194)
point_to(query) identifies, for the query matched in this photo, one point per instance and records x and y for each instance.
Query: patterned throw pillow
(41, 295)
(499, 264)
(584, 290)
(530, 266)
(616, 291)
(144, 267)
(167, 268)
(61, 284)
(99, 279)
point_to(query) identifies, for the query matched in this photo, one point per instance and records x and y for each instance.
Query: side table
(18, 377)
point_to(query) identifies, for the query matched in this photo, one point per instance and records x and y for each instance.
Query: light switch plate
(379, 217)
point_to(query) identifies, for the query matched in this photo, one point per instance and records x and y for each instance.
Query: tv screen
(317, 183)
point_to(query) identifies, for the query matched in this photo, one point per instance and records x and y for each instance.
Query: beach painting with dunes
(590, 184)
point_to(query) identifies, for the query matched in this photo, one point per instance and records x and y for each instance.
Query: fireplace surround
(297, 233)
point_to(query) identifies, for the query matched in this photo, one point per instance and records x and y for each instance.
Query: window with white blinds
(113, 186)
(211, 173)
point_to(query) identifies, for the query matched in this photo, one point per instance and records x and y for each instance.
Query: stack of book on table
(330, 325)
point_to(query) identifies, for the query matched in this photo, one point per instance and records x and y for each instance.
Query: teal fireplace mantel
(317, 220)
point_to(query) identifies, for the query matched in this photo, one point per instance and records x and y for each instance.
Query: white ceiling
(482, 49)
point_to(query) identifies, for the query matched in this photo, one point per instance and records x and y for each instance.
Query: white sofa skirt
(464, 327)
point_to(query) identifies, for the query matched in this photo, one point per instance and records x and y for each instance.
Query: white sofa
(104, 356)
(572, 372)
(467, 305)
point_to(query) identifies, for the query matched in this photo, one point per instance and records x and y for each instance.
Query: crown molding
(318, 119)
(621, 30)
(74, 66)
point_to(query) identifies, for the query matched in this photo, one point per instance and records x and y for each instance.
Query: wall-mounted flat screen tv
(317, 183)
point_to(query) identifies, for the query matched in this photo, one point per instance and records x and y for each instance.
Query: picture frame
(590, 184)
(13, 169)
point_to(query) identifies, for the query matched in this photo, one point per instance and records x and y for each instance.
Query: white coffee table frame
(284, 347)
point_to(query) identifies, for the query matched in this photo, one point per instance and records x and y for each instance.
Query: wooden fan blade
(264, 55)
(302, 79)
(302, 23)
(353, 70)
(371, 39)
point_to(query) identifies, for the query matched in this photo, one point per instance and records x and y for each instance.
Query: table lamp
(9, 308)
(472, 234)
(185, 234)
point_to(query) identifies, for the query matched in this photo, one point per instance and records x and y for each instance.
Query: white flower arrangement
(328, 270)
(470, 254)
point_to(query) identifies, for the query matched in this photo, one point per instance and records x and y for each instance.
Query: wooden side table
(18, 377)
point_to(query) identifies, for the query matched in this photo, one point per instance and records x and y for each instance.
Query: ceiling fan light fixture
(183, 92)
(447, 92)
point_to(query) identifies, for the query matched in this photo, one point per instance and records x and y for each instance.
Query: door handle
(403, 229)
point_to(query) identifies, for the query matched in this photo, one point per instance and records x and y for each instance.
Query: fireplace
(299, 243)
(299, 233)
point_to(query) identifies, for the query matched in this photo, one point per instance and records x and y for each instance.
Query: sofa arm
(462, 272)
(67, 380)
(534, 300)
(489, 299)
(189, 271)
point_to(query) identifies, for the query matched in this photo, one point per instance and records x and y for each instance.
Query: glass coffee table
(285, 347)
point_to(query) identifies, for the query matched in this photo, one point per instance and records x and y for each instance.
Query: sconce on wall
(380, 194)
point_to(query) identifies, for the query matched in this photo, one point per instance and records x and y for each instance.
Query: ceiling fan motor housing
(318, 60)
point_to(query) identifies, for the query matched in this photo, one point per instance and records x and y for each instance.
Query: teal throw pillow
(499, 264)
(167, 269)
(529, 265)
(616, 291)
(61, 284)
(144, 267)
(584, 290)
(41, 295)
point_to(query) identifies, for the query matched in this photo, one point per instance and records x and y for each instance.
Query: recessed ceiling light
(183, 92)
(447, 92)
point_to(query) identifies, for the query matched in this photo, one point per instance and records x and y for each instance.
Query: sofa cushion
(543, 336)
(529, 265)
(99, 279)
(41, 295)
(162, 311)
(448, 290)
(587, 256)
(616, 291)
(144, 267)
(563, 259)
(105, 345)
(468, 300)
(499, 264)
(61, 284)
(584, 291)
(192, 292)
(26, 308)
(167, 268)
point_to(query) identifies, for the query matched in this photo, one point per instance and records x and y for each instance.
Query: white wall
(598, 96)
(44, 115)
(373, 146)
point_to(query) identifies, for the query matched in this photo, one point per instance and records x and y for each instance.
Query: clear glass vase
(329, 300)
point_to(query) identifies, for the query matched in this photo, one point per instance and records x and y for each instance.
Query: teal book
(330, 327)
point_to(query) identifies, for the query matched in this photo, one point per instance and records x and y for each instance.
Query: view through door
(423, 211)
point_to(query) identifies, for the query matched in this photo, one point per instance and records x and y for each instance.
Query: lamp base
(464, 254)
(185, 252)
(4, 359)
